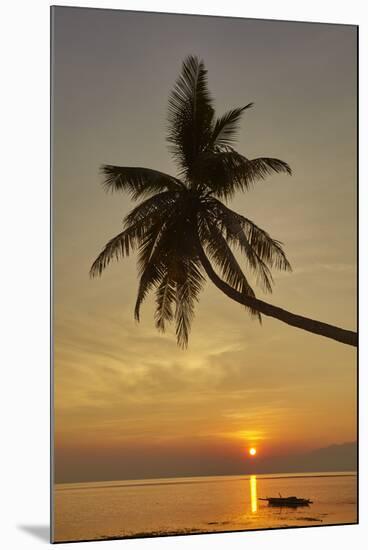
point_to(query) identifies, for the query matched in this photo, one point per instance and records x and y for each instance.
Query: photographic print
(204, 218)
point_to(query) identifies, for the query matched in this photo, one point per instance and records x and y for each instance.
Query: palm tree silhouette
(182, 228)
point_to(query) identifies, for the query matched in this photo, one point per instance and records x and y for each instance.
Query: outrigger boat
(291, 502)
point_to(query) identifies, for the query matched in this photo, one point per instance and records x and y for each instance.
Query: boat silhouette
(291, 502)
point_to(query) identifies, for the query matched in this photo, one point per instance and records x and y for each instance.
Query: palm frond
(152, 242)
(188, 287)
(118, 247)
(138, 182)
(165, 299)
(260, 168)
(225, 128)
(261, 250)
(161, 216)
(222, 256)
(150, 278)
(224, 173)
(156, 207)
(139, 224)
(267, 248)
(190, 114)
(154, 254)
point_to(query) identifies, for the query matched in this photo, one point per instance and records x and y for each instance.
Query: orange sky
(126, 398)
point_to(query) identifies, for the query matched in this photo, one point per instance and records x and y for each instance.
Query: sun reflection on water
(253, 493)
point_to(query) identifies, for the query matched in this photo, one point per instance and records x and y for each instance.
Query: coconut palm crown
(182, 227)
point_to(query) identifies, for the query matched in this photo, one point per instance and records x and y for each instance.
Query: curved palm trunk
(317, 327)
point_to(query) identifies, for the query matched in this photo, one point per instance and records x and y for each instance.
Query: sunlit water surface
(100, 510)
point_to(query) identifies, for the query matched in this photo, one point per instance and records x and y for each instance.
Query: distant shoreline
(183, 480)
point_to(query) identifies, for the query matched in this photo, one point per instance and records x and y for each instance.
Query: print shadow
(41, 532)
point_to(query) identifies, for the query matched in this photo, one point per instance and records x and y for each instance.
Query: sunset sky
(128, 402)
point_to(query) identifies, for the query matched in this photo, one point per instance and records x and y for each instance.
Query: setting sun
(252, 451)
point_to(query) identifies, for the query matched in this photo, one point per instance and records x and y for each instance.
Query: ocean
(154, 507)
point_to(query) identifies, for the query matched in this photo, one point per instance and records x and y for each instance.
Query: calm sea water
(100, 510)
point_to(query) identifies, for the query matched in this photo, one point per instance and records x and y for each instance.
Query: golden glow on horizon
(252, 451)
(250, 435)
(253, 493)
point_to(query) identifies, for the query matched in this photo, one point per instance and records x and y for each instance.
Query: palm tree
(183, 230)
